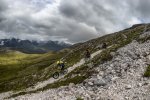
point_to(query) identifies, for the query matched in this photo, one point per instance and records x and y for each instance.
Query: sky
(71, 21)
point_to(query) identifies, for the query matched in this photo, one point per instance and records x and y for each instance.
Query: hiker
(61, 64)
(87, 55)
(104, 45)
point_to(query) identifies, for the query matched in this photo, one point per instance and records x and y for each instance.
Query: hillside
(127, 51)
(119, 79)
(19, 70)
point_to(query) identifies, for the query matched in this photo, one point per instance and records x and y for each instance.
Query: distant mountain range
(28, 46)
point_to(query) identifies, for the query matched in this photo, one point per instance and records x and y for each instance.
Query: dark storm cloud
(95, 14)
(69, 20)
(143, 9)
(3, 8)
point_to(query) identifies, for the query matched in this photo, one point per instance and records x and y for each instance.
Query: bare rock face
(145, 35)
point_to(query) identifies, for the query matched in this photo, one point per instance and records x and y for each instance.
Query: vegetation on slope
(79, 98)
(115, 40)
(147, 72)
(42, 70)
(19, 70)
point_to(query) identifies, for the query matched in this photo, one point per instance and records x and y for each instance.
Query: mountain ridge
(28, 46)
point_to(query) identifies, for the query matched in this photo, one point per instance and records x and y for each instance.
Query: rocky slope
(121, 78)
(97, 80)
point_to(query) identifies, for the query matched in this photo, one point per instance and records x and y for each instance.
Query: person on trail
(87, 55)
(104, 45)
(61, 64)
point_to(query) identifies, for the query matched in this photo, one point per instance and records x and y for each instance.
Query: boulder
(71, 85)
(140, 84)
(128, 87)
(90, 83)
(112, 54)
(99, 82)
(114, 78)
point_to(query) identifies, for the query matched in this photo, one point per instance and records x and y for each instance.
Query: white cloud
(133, 21)
(69, 20)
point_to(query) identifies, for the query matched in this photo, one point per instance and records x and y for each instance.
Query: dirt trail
(52, 80)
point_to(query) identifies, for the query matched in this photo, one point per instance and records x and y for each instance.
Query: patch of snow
(2, 43)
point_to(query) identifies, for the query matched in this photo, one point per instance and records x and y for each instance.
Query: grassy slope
(147, 72)
(116, 40)
(11, 62)
(19, 70)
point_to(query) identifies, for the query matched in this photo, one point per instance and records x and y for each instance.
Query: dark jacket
(87, 54)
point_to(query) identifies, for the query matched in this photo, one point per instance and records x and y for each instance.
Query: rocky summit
(120, 78)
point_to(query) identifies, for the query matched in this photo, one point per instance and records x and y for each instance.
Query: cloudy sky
(69, 20)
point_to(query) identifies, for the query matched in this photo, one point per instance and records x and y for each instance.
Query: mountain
(120, 71)
(28, 46)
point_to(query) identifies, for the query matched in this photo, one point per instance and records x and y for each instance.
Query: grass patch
(147, 72)
(79, 98)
